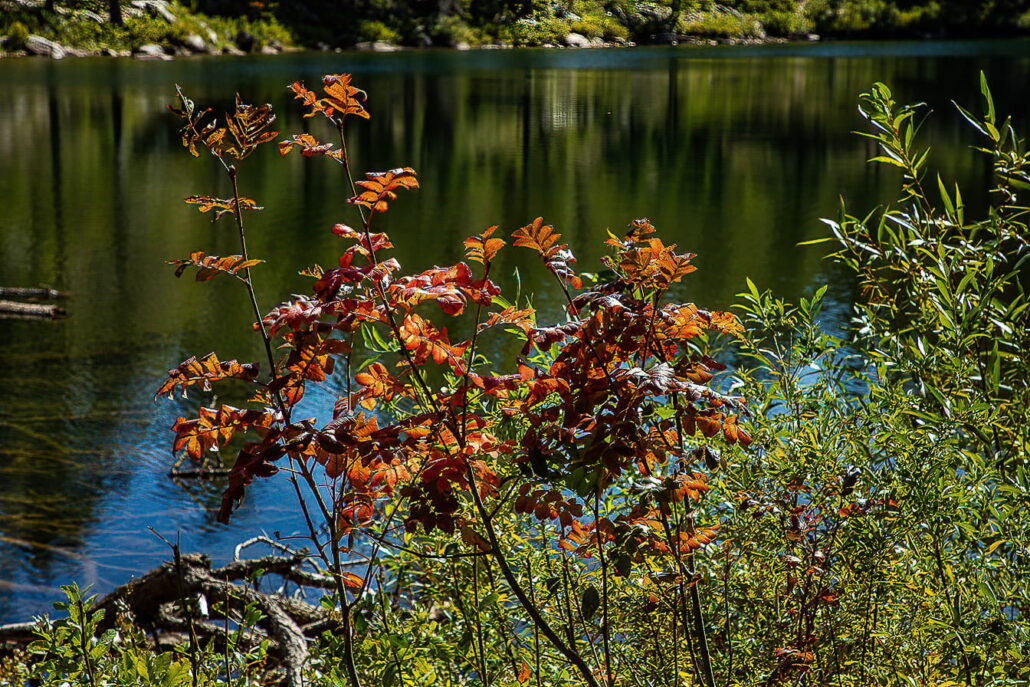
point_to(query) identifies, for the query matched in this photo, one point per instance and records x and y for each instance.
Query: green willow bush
(600, 508)
(913, 425)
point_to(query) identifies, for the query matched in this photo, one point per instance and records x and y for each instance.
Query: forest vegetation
(624, 488)
(250, 26)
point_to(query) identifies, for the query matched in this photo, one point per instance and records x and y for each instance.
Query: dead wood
(187, 596)
(199, 473)
(17, 633)
(16, 309)
(30, 292)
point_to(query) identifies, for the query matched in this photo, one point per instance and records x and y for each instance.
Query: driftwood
(199, 473)
(186, 596)
(34, 310)
(23, 292)
(17, 309)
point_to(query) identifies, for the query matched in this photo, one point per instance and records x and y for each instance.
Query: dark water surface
(732, 152)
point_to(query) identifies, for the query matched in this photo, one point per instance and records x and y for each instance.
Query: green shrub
(923, 18)
(587, 27)
(600, 26)
(780, 23)
(375, 30)
(452, 30)
(536, 30)
(856, 16)
(722, 24)
(17, 35)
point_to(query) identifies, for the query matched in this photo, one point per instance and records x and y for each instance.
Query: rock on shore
(37, 45)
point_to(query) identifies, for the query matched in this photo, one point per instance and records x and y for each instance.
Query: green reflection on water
(734, 154)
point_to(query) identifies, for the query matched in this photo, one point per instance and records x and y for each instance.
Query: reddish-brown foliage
(614, 394)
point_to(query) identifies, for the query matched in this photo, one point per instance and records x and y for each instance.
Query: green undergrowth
(86, 26)
(319, 24)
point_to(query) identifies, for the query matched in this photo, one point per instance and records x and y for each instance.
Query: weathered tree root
(165, 603)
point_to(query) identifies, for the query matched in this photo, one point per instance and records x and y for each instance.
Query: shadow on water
(733, 153)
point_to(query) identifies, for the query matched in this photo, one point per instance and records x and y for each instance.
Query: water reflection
(733, 153)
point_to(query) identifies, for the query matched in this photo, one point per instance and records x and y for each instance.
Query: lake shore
(165, 29)
(43, 47)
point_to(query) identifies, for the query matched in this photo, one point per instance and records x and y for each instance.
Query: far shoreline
(155, 52)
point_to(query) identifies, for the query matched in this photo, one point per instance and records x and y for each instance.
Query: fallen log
(199, 473)
(18, 633)
(16, 309)
(31, 292)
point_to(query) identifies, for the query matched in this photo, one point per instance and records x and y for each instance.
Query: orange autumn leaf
(340, 98)
(524, 673)
(309, 146)
(352, 580)
(210, 266)
(221, 206)
(556, 256)
(381, 187)
(481, 248)
(213, 429)
(727, 323)
(246, 127)
(524, 319)
(203, 372)
(378, 383)
(419, 336)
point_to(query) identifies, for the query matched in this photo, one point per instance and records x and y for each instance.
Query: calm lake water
(732, 152)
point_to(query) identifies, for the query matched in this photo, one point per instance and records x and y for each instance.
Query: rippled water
(732, 152)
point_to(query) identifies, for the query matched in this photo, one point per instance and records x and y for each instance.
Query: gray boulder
(37, 45)
(377, 46)
(577, 40)
(157, 8)
(150, 51)
(195, 44)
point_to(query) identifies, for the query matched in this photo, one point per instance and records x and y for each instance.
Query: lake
(732, 152)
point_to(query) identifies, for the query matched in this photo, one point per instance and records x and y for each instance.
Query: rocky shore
(194, 44)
